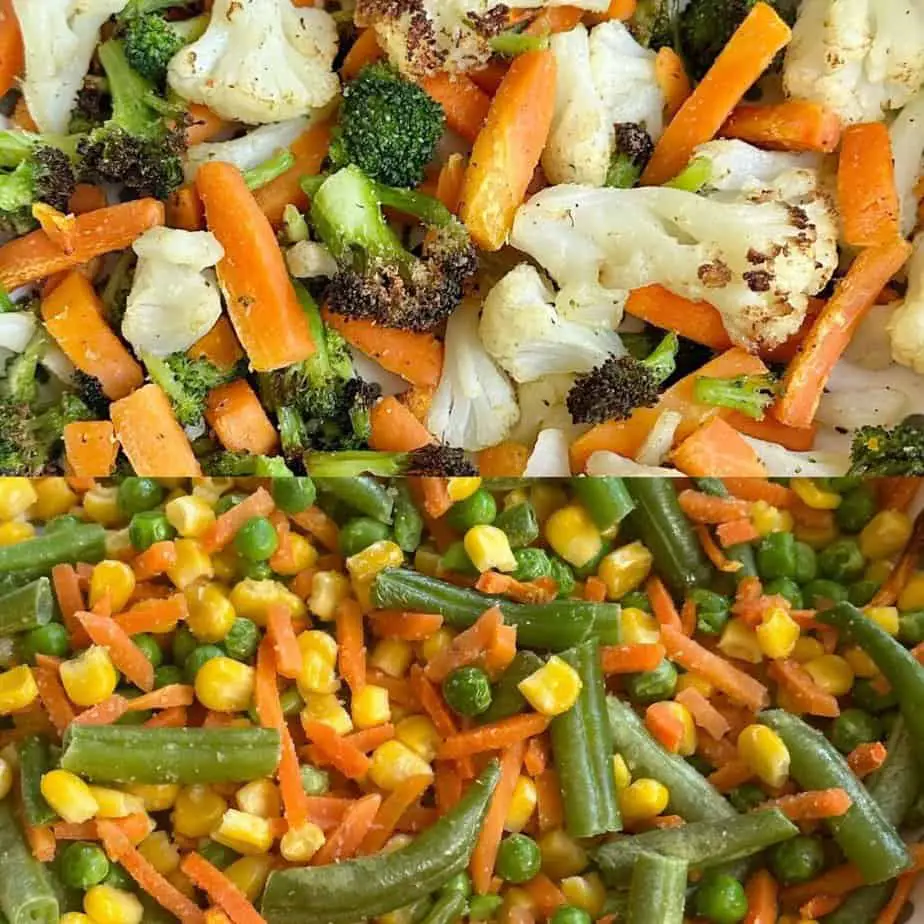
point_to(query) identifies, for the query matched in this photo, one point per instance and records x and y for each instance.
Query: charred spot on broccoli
(91, 108)
(890, 453)
(631, 153)
(622, 384)
(748, 394)
(241, 464)
(90, 390)
(387, 126)
(151, 41)
(377, 278)
(187, 382)
(433, 460)
(655, 23)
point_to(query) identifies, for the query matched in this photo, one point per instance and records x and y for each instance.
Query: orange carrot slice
(235, 413)
(793, 125)
(220, 889)
(153, 615)
(717, 449)
(396, 429)
(494, 736)
(224, 529)
(351, 654)
(346, 840)
(412, 627)
(466, 105)
(219, 346)
(467, 647)
(90, 448)
(125, 654)
(866, 191)
(346, 757)
(631, 659)
(762, 894)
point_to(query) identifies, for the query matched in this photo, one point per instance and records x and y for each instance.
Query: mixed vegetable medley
(430, 700)
(610, 237)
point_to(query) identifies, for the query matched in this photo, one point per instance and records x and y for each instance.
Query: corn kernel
(319, 663)
(547, 497)
(192, 564)
(553, 688)
(817, 536)
(562, 855)
(366, 564)
(778, 633)
(113, 803)
(107, 905)
(247, 834)
(740, 641)
(522, 804)
(119, 545)
(439, 641)
(886, 617)
(460, 488)
(885, 535)
(75, 917)
(586, 892)
(370, 706)
(427, 561)
(197, 811)
(54, 498)
(489, 549)
(572, 534)
(860, 662)
(101, 505)
(812, 495)
(15, 531)
(115, 579)
(878, 571)
(397, 842)
(17, 689)
(6, 778)
(625, 569)
(696, 682)
(210, 614)
(190, 516)
(807, 648)
(832, 673)
(769, 519)
(328, 589)
(156, 797)
(638, 627)
(225, 565)
(225, 685)
(89, 678)
(322, 644)
(688, 740)
(259, 797)
(252, 599)
(68, 795)
(420, 735)
(622, 776)
(160, 852)
(763, 751)
(301, 555)
(210, 489)
(392, 656)
(394, 762)
(17, 495)
(249, 874)
(912, 595)
(642, 800)
(327, 709)
(299, 845)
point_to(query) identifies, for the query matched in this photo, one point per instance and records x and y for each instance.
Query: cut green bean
(520, 524)
(606, 499)
(896, 784)
(26, 608)
(658, 891)
(448, 908)
(362, 493)
(862, 906)
(35, 557)
(506, 698)
(26, 894)
(34, 761)
(408, 525)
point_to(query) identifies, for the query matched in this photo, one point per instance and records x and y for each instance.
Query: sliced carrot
(42, 842)
(898, 493)
(235, 413)
(762, 894)
(351, 649)
(867, 758)
(153, 615)
(900, 896)
(866, 191)
(545, 895)
(433, 496)
(350, 833)
(493, 736)
(135, 827)
(466, 105)
(346, 757)
(664, 725)
(168, 697)
(431, 702)
(490, 77)
(90, 448)
(70, 602)
(506, 460)
(759, 489)
(706, 508)
(805, 693)
(501, 651)
(220, 889)
(396, 429)
(412, 627)
(261, 301)
(705, 715)
(368, 739)
(155, 560)
(793, 125)
(183, 209)
(202, 124)
(105, 713)
(319, 525)
(12, 54)
(813, 805)
(174, 717)
(736, 532)
(662, 604)
(219, 346)
(549, 809)
(746, 55)
(399, 800)
(365, 50)
(467, 647)
(819, 906)
(631, 659)
(450, 181)
(279, 629)
(536, 757)
(225, 528)
(52, 695)
(552, 19)
(731, 775)
(718, 449)
(673, 80)
(540, 590)
(125, 654)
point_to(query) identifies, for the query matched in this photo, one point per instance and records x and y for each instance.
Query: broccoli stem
(429, 210)
(513, 43)
(351, 464)
(623, 172)
(140, 7)
(693, 177)
(269, 170)
(130, 91)
(6, 303)
(19, 375)
(748, 394)
(662, 360)
(296, 227)
(162, 375)
(15, 147)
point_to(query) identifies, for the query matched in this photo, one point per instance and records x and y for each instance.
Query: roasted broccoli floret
(377, 278)
(655, 23)
(151, 41)
(748, 394)
(241, 464)
(92, 107)
(631, 154)
(616, 388)
(891, 453)
(187, 382)
(434, 460)
(136, 148)
(388, 127)
(90, 391)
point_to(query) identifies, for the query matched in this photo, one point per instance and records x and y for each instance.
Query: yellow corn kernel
(225, 565)
(89, 678)
(814, 496)
(115, 579)
(886, 617)
(326, 708)
(817, 537)
(420, 735)
(878, 571)
(688, 741)
(190, 516)
(192, 564)
(769, 519)
(54, 498)
(427, 561)
(252, 599)
(625, 569)
(302, 555)
(15, 531)
(210, 614)
(860, 662)
(392, 656)
(622, 776)
(586, 892)
(119, 545)
(299, 845)
(562, 855)
(762, 749)
(108, 905)
(460, 488)
(572, 534)
(638, 627)
(225, 685)
(643, 799)
(249, 874)
(547, 497)
(68, 795)
(912, 596)
(160, 852)
(885, 535)
(740, 641)
(807, 648)
(156, 797)
(75, 917)
(210, 489)
(394, 762)
(489, 549)
(113, 803)
(439, 641)
(259, 797)
(319, 663)
(697, 682)
(6, 778)
(832, 673)
(522, 804)
(328, 589)
(17, 689)
(197, 811)
(101, 505)
(553, 688)
(247, 834)
(366, 564)
(370, 706)
(319, 643)
(778, 633)
(17, 495)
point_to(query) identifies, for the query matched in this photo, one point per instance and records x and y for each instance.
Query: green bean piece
(606, 499)
(582, 745)
(26, 608)
(408, 525)
(692, 796)
(34, 761)
(121, 754)
(362, 493)
(896, 784)
(862, 906)
(506, 698)
(343, 893)
(38, 556)
(448, 908)
(703, 844)
(520, 524)
(658, 891)
(26, 893)
(863, 833)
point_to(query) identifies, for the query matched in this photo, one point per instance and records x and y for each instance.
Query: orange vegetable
(866, 191)
(755, 489)
(673, 80)
(735, 532)
(552, 19)
(90, 448)
(431, 702)
(345, 757)
(762, 894)
(662, 605)
(896, 905)
(506, 460)
(545, 895)
(903, 569)
(744, 58)
(398, 801)
(814, 804)
(224, 529)
(665, 727)
(153, 615)
(819, 906)
(507, 149)
(22, 118)
(126, 655)
(412, 627)
(41, 840)
(467, 647)
(705, 508)
(155, 560)
(536, 756)
(433, 496)
(183, 209)
(168, 697)
(550, 812)
(174, 717)
(318, 524)
(450, 180)
(716, 448)
(220, 889)
(203, 124)
(346, 840)
(631, 659)
(52, 695)
(365, 50)
(804, 692)
(898, 493)
(261, 301)
(396, 429)
(867, 758)
(490, 76)
(235, 413)
(135, 827)
(105, 713)
(351, 649)
(466, 105)
(620, 9)
(279, 628)
(70, 602)
(218, 346)
(799, 439)
(493, 736)
(87, 198)
(793, 125)
(151, 437)
(705, 715)
(731, 775)
(11, 48)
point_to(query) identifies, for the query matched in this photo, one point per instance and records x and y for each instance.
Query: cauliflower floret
(736, 166)
(174, 299)
(907, 136)
(474, 405)
(756, 256)
(524, 334)
(59, 38)
(549, 458)
(259, 61)
(861, 58)
(543, 406)
(906, 326)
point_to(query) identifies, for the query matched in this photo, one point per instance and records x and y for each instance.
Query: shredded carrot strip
(346, 757)
(813, 805)
(493, 736)
(631, 659)
(713, 552)
(704, 508)
(867, 758)
(156, 615)
(155, 560)
(731, 776)
(220, 889)
(432, 703)
(104, 713)
(174, 717)
(346, 840)
(351, 655)
(762, 894)
(819, 906)
(52, 695)
(755, 489)
(467, 647)
(890, 914)
(705, 715)
(279, 628)
(125, 654)
(224, 529)
(70, 601)
(411, 627)
(736, 532)
(318, 524)
(42, 843)
(168, 697)
(806, 694)
(661, 603)
(399, 800)
(895, 583)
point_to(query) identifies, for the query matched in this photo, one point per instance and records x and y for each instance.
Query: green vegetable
(518, 858)
(853, 727)
(272, 168)
(797, 860)
(35, 760)
(532, 564)
(187, 382)
(896, 784)
(149, 648)
(879, 451)
(861, 593)
(712, 610)
(484, 907)
(197, 658)
(408, 523)
(842, 560)
(138, 494)
(477, 509)
(362, 493)
(26, 894)
(650, 686)
(447, 908)
(151, 41)
(866, 696)
(51, 639)
(607, 500)
(862, 906)
(658, 890)
(167, 674)
(721, 899)
(856, 509)
(455, 559)
(631, 153)
(911, 627)
(293, 495)
(256, 540)
(520, 524)
(821, 593)
(359, 533)
(569, 914)
(26, 608)
(746, 797)
(241, 641)
(149, 527)
(218, 854)
(37, 556)
(467, 691)
(636, 599)
(460, 883)
(776, 556)
(563, 575)
(507, 700)
(748, 394)
(786, 588)
(83, 865)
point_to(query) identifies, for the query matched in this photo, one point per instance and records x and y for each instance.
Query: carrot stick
(545, 895)
(536, 756)
(12, 55)
(493, 736)
(506, 460)
(235, 413)
(673, 80)
(219, 346)
(507, 149)
(662, 604)
(490, 76)
(262, 304)
(34, 256)
(716, 448)
(105, 713)
(896, 905)
(745, 57)
(431, 702)
(552, 19)
(412, 627)
(365, 50)
(762, 895)
(467, 647)
(793, 125)
(759, 489)
(832, 331)
(806, 694)
(735, 684)
(665, 727)
(706, 508)
(818, 907)
(433, 496)
(151, 436)
(731, 775)
(368, 739)
(867, 758)
(735, 532)
(174, 717)
(351, 653)
(346, 840)
(203, 124)
(866, 191)
(319, 525)
(396, 429)
(279, 629)
(73, 315)
(813, 805)
(898, 493)
(53, 697)
(705, 715)
(155, 560)
(399, 800)
(620, 9)
(41, 840)
(153, 615)
(224, 529)
(345, 757)
(70, 602)
(87, 198)
(183, 209)
(466, 105)
(168, 697)
(220, 889)
(450, 180)
(125, 654)
(501, 651)
(90, 448)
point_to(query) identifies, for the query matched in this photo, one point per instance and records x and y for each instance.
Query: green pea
(806, 563)
(720, 898)
(843, 484)
(460, 883)
(532, 564)
(50, 639)
(227, 501)
(217, 854)
(867, 697)
(241, 641)
(477, 509)
(166, 675)
(184, 643)
(636, 599)
(860, 593)
(518, 858)
(483, 907)
(139, 494)
(776, 556)
(746, 797)
(853, 727)
(651, 686)
(563, 575)
(359, 533)
(911, 627)
(315, 782)
(149, 648)
(148, 527)
(711, 610)
(456, 559)
(842, 560)
(293, 495)
(61, 524)
(822, 593)
(570, 914)
(197, 658)
(857, 508)
(786, 588)
(119, 879)
(797, 860)
(83, 865)
(520, 524)
(255, 570)
(467, 691)
(256, 540)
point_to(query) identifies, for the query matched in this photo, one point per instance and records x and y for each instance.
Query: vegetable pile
(331, 700)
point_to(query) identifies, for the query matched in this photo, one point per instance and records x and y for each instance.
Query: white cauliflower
(59, 38)
(474, 405)
(525, 335)
(260, 61)
(549, 458)
(906, 327)
(757, 256)
(174, 299)
(861, 58)
(907, 136)
(543, 406)
(736, 166)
